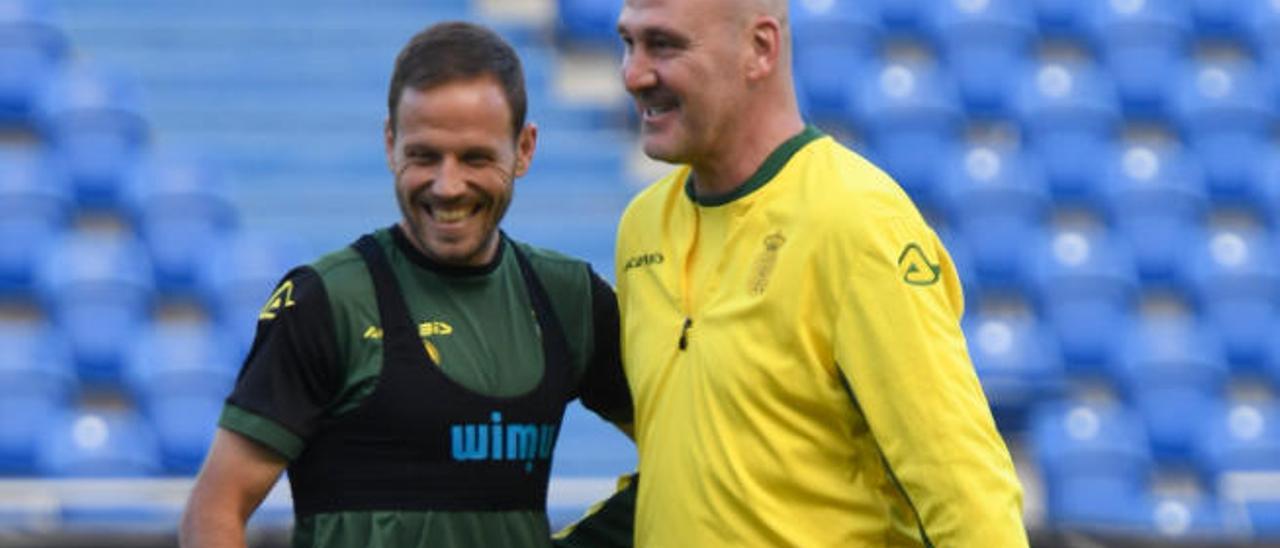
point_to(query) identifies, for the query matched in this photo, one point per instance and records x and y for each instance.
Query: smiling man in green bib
(413, 383)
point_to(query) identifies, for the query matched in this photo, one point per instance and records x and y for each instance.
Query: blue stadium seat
(1017, 362)
(1155, 200)
(1262, 31)
(1265, 191)
(904, 17)
(180, 209)
(834, 44)
(1224, 112)
(1063, 19)
(1068, 111)
(237, 280)
(910, 114)
(1095, 463)
(1240, 437)
(1086, 289)
(98, 290)
(36, 382)
(32, 45)
(1221, 19)
(1235, 276)
(985, 44)
(35, 207)
(1174, 372)
(112, 443)
(1142, 43)
(179, 376)
(588, 22)
(1185, 518)
(1244, 438)
(91, 118)
(996, 199)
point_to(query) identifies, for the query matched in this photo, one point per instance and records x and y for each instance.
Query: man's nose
(637, 72)
(450, 180)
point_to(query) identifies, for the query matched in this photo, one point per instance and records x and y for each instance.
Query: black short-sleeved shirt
(318, 354)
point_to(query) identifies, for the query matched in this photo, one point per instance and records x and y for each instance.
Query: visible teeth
(450, 215)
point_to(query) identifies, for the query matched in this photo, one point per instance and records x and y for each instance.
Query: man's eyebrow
(671, 35)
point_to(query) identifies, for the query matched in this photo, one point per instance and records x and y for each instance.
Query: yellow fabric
(748, 436)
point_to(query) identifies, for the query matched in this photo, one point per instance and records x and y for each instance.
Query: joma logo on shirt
(485, 442)
(644, 259)
(281, 299)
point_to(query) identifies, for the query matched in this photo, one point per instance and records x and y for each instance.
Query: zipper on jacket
(684, 333)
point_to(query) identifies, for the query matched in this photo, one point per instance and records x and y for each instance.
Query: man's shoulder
(341, 271)
(554, 267)
(655, 198)
(852, 188)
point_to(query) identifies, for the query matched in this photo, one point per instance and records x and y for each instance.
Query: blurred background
(1105, 173)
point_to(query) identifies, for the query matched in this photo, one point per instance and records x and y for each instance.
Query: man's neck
(738, 159)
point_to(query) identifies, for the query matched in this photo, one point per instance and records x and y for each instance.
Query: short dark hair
(456, 50)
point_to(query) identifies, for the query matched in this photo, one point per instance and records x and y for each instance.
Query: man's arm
(236, 476)
(899, 345)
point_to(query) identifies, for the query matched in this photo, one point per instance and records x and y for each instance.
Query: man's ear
(389, 141)
(766, 46)
(526, 143)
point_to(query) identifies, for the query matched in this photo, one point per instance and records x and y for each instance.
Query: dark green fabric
(424, 529)
(263, 430)
(472, 305)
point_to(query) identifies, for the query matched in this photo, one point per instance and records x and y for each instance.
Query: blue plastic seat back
(1075, 438)
(179, 360)
(1142, 43)
(835, 42)
(1017, 362)
(1155, 199)
(91, 116)
(1085, 287)
(1068, 111)
(1175, 372)
(996, 199)
(1235, 280)
(179, 376)
(99, 444)
(35, 207)
(1225, 111)
(588, 21)
(98, 290)
(1262, 31)
(1222, 19)
(1240, 437)
(909, 114)
(985, 44)
(237, 279)
(1064, 19)
(36, 381)
(181, 209)
(1265, 190)
(32, 44)
(906, 17)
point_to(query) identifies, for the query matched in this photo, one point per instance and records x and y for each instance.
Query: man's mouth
(452, 213)
(656, 105)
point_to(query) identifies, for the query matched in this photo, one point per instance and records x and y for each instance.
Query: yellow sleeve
(899, 345)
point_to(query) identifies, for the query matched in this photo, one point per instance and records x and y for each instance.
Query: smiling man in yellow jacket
(790, 323)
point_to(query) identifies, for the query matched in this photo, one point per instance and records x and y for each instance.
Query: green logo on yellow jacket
(916, 268)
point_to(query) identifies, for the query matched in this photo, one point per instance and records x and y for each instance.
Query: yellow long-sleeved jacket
(798, 370)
